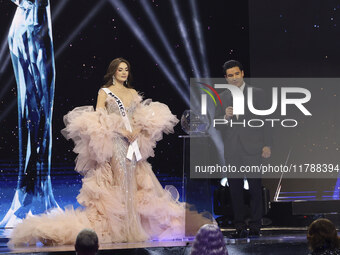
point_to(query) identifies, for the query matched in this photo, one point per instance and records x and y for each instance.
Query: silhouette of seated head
(86, 242)
(209, 240)
(322, 235)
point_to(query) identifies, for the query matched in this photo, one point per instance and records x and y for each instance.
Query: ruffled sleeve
(154, 119)
(93, 133)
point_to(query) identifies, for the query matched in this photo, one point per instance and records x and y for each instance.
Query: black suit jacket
(252, 139)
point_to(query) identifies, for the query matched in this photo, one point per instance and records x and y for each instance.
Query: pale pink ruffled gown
(123, 200)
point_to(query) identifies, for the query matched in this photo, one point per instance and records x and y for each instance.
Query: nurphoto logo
(238, 104)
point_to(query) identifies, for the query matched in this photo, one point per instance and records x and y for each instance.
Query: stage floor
(279, 241)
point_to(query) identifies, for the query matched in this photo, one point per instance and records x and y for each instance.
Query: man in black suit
(243, 146)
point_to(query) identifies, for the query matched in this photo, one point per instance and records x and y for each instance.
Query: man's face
(234, 76)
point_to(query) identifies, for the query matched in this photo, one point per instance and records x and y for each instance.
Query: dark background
(299, 39)
(83, 62)
(271, 39)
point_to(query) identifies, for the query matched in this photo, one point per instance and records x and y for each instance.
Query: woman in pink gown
(123, 200)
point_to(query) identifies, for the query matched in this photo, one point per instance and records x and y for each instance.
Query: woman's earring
(125, 82)
(113, 79)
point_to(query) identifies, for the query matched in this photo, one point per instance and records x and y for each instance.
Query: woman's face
(122, 72)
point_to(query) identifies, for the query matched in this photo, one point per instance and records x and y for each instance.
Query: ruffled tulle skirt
(122, 200)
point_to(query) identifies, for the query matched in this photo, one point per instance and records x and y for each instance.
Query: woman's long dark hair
(322, 235)
(111, 70)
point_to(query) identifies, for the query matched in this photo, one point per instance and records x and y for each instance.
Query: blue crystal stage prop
(31, 48)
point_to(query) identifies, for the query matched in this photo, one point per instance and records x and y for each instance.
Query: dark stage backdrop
(294, 38)
(85, 42)
(299, 39)
(285, 39)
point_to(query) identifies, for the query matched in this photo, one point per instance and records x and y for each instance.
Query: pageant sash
(133, 147)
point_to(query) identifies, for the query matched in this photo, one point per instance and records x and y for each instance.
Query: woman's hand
(131, 136)
(266, 152)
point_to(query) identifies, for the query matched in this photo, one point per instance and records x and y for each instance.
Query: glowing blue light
(31, 48)
(336, 194)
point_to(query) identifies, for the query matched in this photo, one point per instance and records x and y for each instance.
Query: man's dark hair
(230, 64)
(87, 242)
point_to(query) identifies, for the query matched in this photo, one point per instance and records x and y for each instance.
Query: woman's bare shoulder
(101, 92)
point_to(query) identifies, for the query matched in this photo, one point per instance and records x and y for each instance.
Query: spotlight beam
(278, 188)
(3, 50)
(200, 38)
(5, 64)
(4, 45)
(215, 136)
(137, 31)
(58, 9)
(84, 22)
(160, 32)
(185, 38)
(59, 51)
